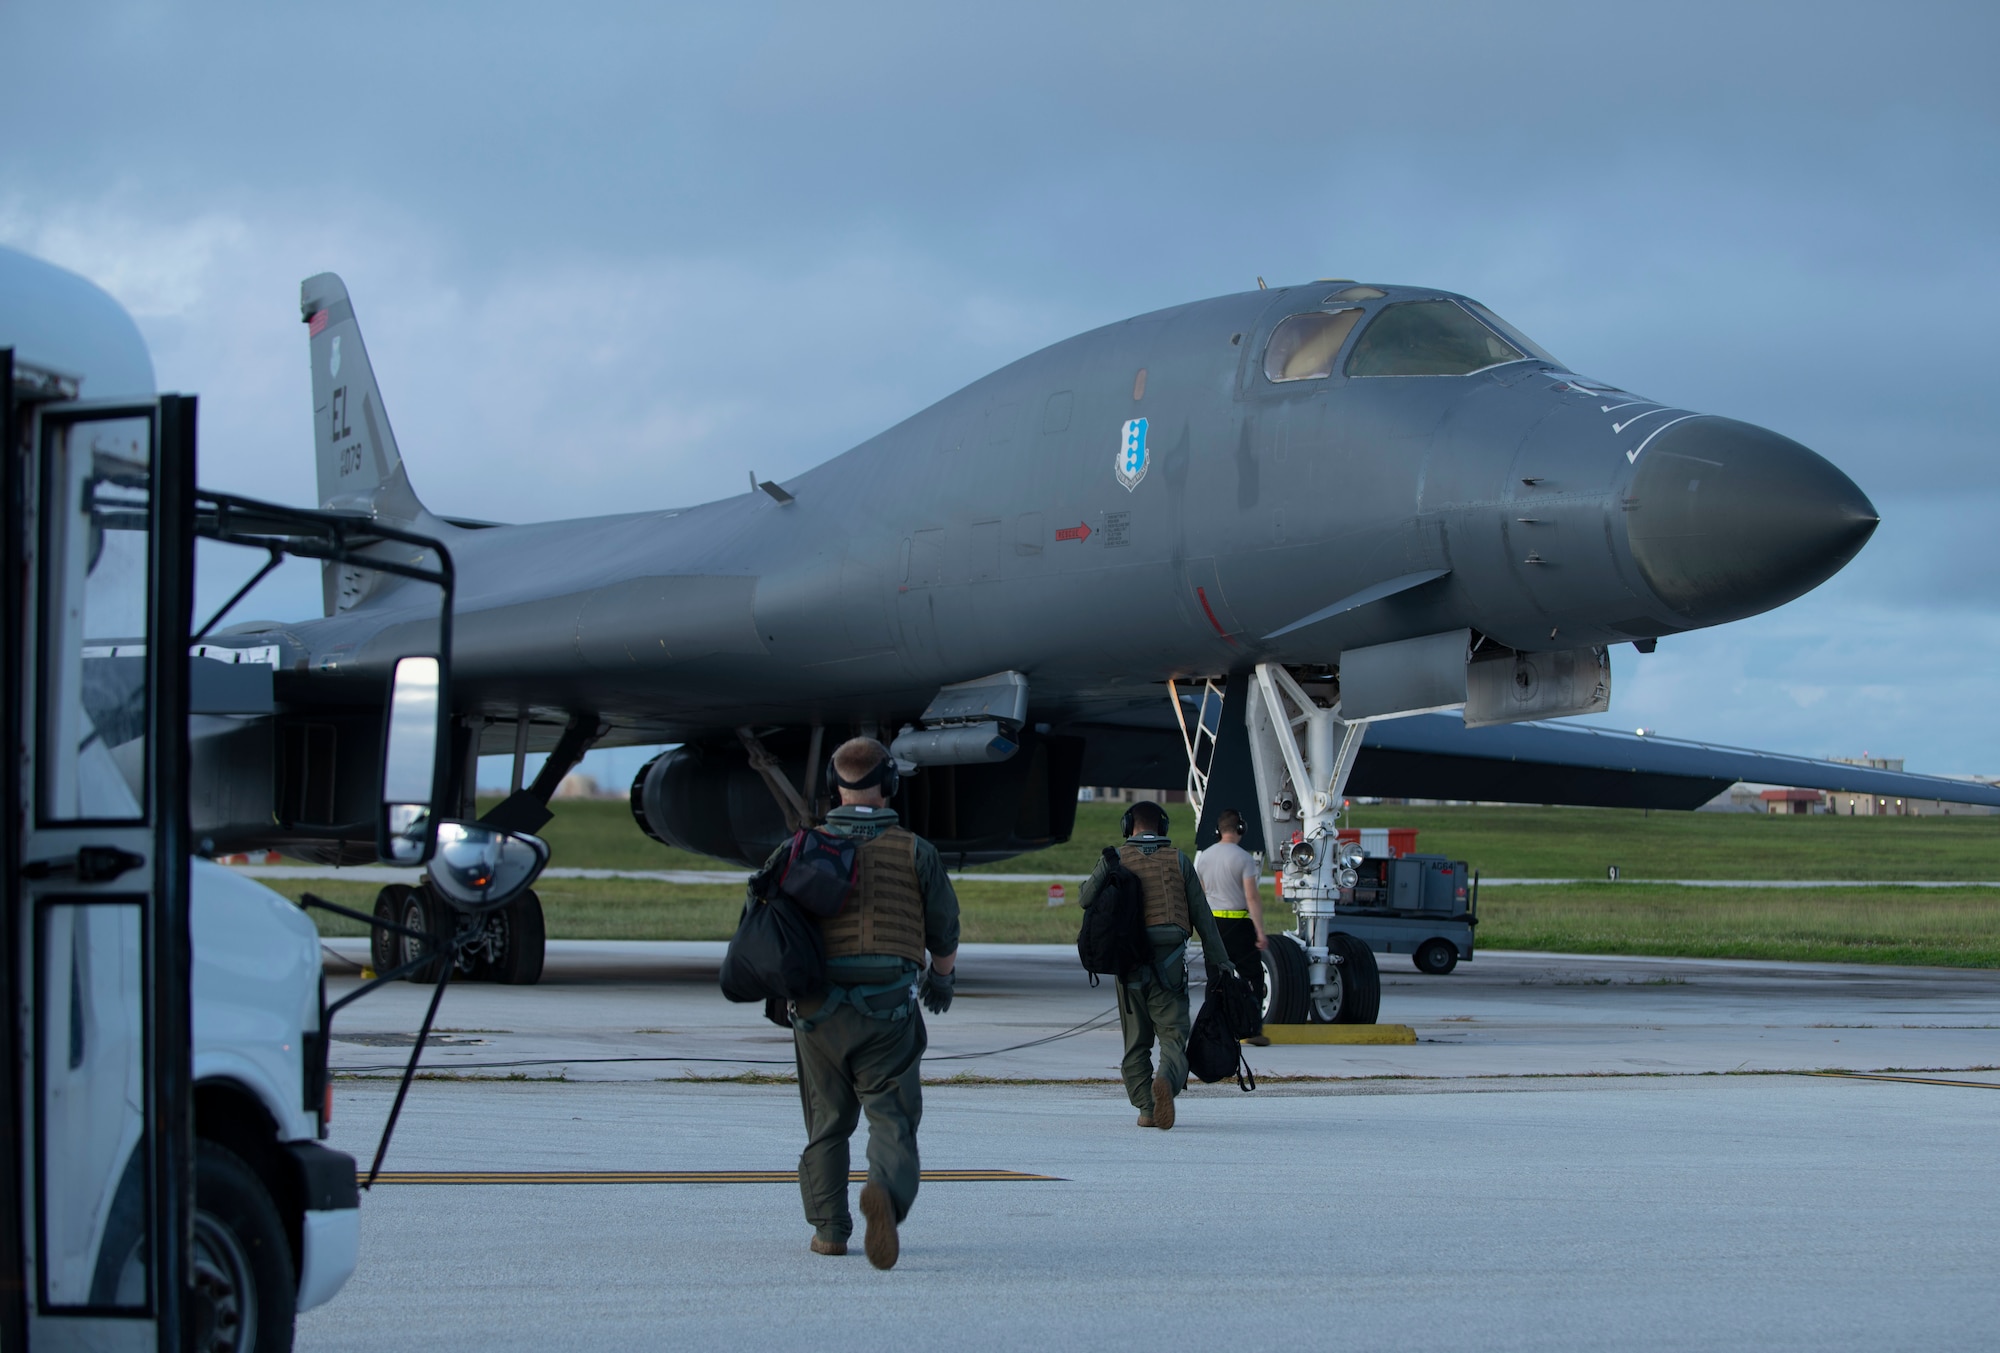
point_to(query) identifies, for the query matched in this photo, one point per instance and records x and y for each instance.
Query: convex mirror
(478, 867)
(410, 744)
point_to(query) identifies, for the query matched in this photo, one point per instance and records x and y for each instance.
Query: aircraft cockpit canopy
(1435, 337)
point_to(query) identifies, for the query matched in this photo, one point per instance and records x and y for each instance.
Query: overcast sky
(610, 257)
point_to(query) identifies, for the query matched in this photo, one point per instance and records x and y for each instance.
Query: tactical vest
(1159, 873)
(886, 914)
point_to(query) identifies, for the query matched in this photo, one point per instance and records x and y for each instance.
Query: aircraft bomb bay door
(98, 540)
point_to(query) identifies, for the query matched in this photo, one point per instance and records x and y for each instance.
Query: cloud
(617, 258)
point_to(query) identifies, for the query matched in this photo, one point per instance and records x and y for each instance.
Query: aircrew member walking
(860, 1047)
(1230, 876)
(1153, 1002)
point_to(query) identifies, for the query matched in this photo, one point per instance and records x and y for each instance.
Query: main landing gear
(507, 946)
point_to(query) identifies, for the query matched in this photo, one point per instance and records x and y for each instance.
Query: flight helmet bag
(1212, 1050)
(777, 954)
(1241, 1014)
(1112, 939)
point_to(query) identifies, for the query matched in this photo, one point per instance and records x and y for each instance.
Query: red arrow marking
(1081, 531)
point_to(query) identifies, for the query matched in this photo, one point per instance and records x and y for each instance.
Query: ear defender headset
(1125, 823)
(885, 774)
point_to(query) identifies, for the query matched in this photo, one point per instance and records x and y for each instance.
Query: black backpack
(1212, 1049)
(820, 873)
(1112, 939)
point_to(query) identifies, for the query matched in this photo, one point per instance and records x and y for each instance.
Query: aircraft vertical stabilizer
(360, 469)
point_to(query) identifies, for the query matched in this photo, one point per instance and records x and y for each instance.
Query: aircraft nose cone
(1726, 519)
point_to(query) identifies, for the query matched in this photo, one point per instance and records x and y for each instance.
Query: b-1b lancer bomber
(1234, 542)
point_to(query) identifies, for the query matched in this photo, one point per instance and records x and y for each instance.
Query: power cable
(1091, 1025)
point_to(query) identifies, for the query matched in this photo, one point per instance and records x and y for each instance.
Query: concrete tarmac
(1503, 1014)
(1547, 1168)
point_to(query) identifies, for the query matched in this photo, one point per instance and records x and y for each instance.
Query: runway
(1559, 1162)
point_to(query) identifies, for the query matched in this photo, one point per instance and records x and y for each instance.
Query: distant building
(1113, 794)
(577, 785)
(1795, 802)
(1878, 805)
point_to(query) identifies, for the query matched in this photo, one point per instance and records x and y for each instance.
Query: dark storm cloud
(617, 255)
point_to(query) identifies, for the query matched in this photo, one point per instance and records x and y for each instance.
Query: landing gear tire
(418, 910)
(385, 947)
(1286, 980)
(520, 941)
(245, 1290)
(1353, 990)
(1436, 957)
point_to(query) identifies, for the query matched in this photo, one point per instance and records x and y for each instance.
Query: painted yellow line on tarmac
(1340, 1033)
(679, 1177)
(1911, 1080)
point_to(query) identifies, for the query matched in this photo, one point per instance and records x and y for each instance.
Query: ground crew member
(1153, 1002)
(860, 1046)
(1230, 876)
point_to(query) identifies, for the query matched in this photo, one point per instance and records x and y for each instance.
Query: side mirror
(406, 829)
(478, 867)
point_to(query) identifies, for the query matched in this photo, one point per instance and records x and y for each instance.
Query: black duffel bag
(776, 954)
(1212, 1049)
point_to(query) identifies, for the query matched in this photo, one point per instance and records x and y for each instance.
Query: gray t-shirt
(1222, 868)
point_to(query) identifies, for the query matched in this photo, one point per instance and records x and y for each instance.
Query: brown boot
(1145, 1120)
(819, 1246)
(1163, 1104)
(1258, 1041)
(881, 1243)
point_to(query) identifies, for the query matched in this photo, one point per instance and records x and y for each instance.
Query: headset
(885, 774)
(1125, 823)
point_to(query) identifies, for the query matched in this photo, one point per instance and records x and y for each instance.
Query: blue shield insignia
(1131, 463)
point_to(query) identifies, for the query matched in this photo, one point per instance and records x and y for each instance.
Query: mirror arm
(277, 558)
(437, 944)
(430, 1015)
(410, 1071)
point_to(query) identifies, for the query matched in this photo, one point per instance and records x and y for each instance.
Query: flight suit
(1153, 1002)
(860, 1045)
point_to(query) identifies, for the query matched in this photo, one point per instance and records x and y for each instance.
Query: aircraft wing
(1434, 756)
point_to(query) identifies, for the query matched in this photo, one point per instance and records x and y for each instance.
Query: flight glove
(936, 991)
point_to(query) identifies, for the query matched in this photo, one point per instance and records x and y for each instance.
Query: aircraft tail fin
(360, 469)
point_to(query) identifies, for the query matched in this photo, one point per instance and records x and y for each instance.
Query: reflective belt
(1230, 915)
(868, 1000)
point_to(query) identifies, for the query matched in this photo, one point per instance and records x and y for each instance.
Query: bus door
(98, 535)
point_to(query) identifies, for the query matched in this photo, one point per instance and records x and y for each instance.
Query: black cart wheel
(520, 941)
(385, 947)
(421, 911)
(245, 1290)
(1436, 957)
(1285, 981)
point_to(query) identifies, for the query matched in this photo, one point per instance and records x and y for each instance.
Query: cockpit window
(1357, 293)
(1304, 346)
(1513, 335)
(1427, 338)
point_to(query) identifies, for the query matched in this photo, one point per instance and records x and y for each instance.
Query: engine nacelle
(705, 798)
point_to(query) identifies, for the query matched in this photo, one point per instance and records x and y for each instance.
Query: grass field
(1573, 843)
(1953, 927)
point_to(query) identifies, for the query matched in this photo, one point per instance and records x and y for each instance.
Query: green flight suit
(1153, 1004)
(854, 1060)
